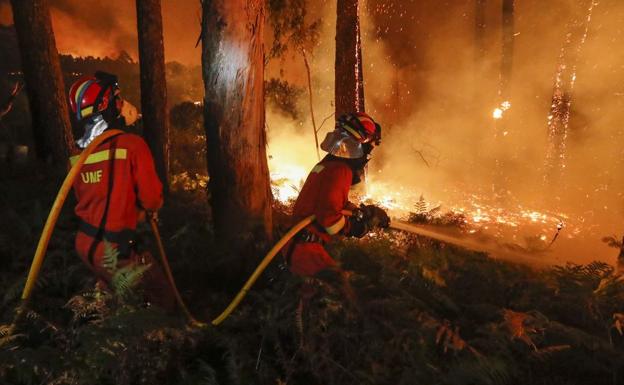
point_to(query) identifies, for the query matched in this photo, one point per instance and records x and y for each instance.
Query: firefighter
(325, 195)
(118, 185)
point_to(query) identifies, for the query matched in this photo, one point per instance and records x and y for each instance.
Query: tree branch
(7, 106)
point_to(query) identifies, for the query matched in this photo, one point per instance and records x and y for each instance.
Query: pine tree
(233, 72)
(349, 88)
(44, 80)
(153, 83)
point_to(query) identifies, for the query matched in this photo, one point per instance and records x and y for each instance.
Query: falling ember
(565, 78)
(500, 110)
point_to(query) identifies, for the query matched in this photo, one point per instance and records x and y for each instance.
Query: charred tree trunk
(44, 80)
(233, 72)
(349, 86)
(154, 84)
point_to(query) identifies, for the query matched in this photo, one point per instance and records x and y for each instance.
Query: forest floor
(423, 313)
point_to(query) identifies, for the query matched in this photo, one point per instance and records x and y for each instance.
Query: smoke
(434, 95)
(106, 28)
(450, 121)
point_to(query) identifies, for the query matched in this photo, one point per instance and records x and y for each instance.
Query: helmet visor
(342, 145)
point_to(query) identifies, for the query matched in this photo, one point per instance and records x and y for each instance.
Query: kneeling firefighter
(118, 184)
(325, 194)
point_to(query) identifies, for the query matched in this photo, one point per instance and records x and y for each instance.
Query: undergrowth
(423, 313)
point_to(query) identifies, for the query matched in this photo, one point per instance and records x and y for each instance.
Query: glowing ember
(500, 110)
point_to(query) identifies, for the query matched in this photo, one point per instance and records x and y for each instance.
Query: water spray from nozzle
(560, 227)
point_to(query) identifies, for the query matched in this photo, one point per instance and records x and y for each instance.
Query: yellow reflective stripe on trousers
(336, 227)
(101, 156)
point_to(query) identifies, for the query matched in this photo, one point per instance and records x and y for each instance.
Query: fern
(613, 241)
(127, 278)
(421, 205)
(111, 257)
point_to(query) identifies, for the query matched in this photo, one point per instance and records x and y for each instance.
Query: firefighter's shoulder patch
(318, 168)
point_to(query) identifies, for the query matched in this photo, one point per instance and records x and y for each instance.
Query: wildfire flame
(480, 214)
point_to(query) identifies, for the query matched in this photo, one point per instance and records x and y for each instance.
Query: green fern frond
(111, 257)
(126, 278)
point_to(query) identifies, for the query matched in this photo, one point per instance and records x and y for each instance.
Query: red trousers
(309, 258)
(154, 284)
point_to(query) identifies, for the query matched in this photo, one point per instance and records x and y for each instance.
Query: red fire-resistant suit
(117, 182)
(325, 194)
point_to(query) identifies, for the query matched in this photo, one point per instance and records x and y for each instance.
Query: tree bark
(479, 32)
(154, 84)
(507, 49)
(233, 72)
(44, 81)
(349, 86)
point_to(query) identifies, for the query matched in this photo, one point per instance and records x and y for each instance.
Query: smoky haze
(443, 110)
(434, 94)
(105, 28)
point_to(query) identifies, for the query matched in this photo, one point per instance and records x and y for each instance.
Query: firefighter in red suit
(325, 194)
(117, 186)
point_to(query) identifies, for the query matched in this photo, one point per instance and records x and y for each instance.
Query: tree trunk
(44, 81)
(505, 149)
(479, 32)
(349, 86)
(507, 49)
(233, 72)
(154, 84)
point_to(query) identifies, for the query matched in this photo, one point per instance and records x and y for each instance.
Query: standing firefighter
(325, 195)
(118, 185)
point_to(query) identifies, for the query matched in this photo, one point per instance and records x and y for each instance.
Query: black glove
(376, 216)
(366, 218)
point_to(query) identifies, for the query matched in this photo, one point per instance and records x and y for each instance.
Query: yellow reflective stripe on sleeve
(101, 156)
(318, 168)
(336, 227)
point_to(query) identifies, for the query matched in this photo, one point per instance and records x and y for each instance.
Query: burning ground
(457, 157)
(546, 156)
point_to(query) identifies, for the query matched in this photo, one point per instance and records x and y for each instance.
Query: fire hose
(42, 246)
(62, 195)
(48, 228)
(394, 224)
